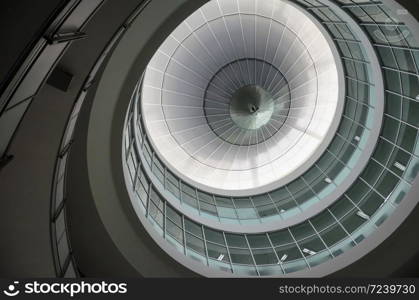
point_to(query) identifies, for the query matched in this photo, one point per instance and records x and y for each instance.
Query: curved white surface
(180, 73)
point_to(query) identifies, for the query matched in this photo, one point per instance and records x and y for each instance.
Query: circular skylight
(241, 97)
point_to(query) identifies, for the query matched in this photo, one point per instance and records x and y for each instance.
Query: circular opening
(251, 107)
(241, 99)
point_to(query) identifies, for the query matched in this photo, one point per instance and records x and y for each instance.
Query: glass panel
(371, 203)
(241, 256)
(236, 240)
(195, 243)
(217, 252)
(288, 252)
(214, 236)
(265, 256)
(322, 221)
(258, 241)
(174, 231)
(192, 227)
(302, 230)
(245, 209)
(341, 207)
(280, 237)
(189, 195)
(173, 216)
(311, 245)
(172, 184)
(225, 208)
(333, 234)
(352, 221)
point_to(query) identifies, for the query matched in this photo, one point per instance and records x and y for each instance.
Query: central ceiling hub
(251, 107)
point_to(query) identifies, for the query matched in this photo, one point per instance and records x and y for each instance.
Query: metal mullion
(355, 60)
(341, 225)
(395, 46)
(372, 187)
(360, 81)
(235, 208)
(205, 244)
(251, 254)
(360, 102)
(400, 71)
(356, 5)
(228, 252)
(333, 22)
(355, 122)
(317, 7)
(374, 158)
(319, 236)
(347, 40)
(410, 51)
(380, 23)
(343, 33)
(216, 207)
(311, 188)
(401, 104)
(293, 198)
(401, 95)
(342, 137)
(344, 164)
(299, 249)
(143, 141)
(180, 191)
(276, 254)
(137, 171)
(338, 159)
(164, 219)
(128, 152)
(165, 178)
(150, 186)
(274, 204)
(184, 233)
(304, 3)
(391, 48)
(153, 155)
(388, 170)
(393, 144)
(58, 210)
(356, 205)
(197, 201)
(256, 211)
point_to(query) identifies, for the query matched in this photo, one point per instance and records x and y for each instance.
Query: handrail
(67, 264)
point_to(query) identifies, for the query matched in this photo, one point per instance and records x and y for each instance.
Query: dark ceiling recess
(15, 18)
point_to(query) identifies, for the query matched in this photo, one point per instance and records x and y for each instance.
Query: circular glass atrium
(268, 86)
(273, 138)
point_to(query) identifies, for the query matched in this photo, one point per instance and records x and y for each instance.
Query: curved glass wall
(331, 170)
(269, 88)
(370, 200)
